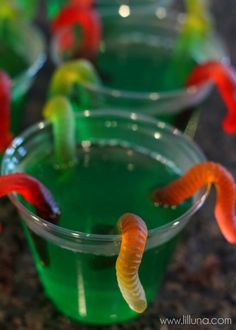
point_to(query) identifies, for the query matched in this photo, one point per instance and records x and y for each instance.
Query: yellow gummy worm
(197, 7)
(133, 240)
(198, 19)
(59, 111)
(71, 73)
(193, 39)
(8, 10)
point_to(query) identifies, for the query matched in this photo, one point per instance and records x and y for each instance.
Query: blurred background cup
(22, 54)
(137, 65)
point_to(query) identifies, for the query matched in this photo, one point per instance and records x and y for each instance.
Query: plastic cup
(135, 62)
(22, 54)
(77, 269)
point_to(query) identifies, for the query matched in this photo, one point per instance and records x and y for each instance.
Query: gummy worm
(33, 191)
(197, 26)
(224, 76)
(5, 99)
(71, 73)
(199, 8)
(133, 239)
(192, 39)
(8, 11)
(195, 178)
(82, 3)
(198, 21)
(59, 111)
(87, 19)
(12, 9)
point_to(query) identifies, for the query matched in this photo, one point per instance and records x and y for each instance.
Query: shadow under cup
(77, 269)
(22, 54)
(139, 67)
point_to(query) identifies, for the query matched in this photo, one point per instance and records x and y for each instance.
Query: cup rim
(72, 234)
(38, 62)
(172, 16)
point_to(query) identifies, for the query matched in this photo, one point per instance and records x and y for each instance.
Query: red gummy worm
(33, 191)
(84, 3)
(196, 177)
(224, 76)
(88, 19)
(5, 100)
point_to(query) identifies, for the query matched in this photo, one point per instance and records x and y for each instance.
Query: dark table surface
(201, 280)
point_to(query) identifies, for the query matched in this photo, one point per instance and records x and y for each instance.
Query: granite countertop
(201, 280)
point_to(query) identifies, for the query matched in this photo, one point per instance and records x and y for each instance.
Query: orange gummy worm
(196, 177)
(133, 240)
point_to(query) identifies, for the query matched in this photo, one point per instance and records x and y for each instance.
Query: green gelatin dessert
(108, 180)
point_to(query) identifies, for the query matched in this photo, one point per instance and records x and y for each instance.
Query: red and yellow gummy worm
(133, 240)
(83, 14)
(197, 177)
(33, 191)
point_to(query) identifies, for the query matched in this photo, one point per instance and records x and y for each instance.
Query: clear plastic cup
(77, 269)
(22, 54)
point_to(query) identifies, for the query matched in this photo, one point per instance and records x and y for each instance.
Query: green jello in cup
(120, 157)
